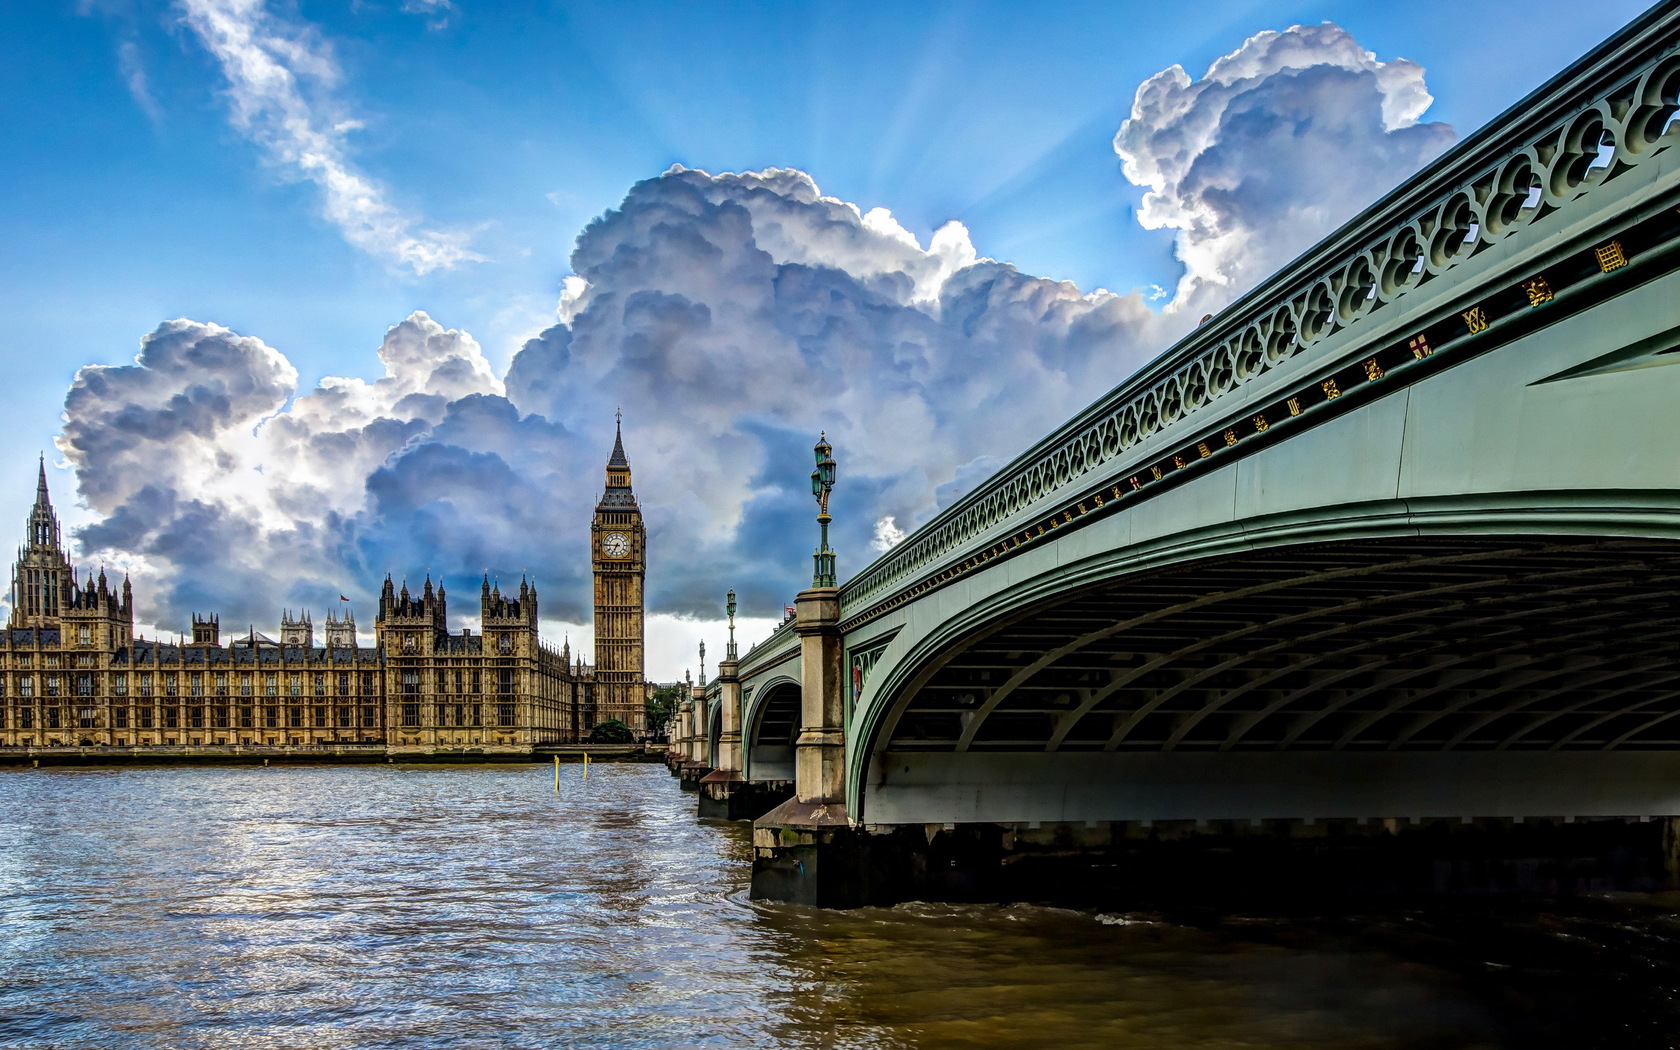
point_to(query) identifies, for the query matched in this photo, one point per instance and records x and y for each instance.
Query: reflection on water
(472, 907)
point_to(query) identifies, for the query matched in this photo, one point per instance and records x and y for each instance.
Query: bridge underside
(1414, 677)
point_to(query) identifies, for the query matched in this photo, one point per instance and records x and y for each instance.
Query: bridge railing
(1612, 111)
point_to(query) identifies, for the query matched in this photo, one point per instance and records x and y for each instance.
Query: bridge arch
(1515, 631)
(770, 726)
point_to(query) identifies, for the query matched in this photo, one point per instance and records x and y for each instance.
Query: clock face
(615, 545)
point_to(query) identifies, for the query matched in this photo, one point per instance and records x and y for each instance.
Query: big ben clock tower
(619, 546)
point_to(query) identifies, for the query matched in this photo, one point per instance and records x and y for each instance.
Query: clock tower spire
(619, 550)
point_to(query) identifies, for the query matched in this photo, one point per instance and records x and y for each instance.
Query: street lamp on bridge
(729, 607)
(822, 483)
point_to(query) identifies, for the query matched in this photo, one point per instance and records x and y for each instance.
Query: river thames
(394, 906)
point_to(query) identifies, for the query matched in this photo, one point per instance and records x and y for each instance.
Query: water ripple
(470, 907)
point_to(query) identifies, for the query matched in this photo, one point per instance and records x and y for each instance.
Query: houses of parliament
(74, 674)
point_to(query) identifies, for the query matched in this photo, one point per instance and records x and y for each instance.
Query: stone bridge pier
(810, 833)
(697, 756)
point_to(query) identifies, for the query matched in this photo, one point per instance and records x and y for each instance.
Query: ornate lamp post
(729, 606)
(822, 483)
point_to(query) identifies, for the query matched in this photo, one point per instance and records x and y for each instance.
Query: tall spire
(618, 492)
(618, 458)
(44, 584)
(43, 523)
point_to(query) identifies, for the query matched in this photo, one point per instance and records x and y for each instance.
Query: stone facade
(73, 674)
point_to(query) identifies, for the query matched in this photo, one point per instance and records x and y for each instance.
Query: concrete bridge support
(820, 751)
(682, 737)
(729, 712)
(805, 849)
(722, 783)
(673, 741)
(697, 761)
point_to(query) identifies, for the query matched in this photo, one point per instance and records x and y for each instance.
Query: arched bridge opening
(1380, 678)
(772, 728)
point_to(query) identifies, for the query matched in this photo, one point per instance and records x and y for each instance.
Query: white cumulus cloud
(1276, 145)
(204, 462)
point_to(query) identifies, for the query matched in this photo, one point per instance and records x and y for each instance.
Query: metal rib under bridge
(1394, 537)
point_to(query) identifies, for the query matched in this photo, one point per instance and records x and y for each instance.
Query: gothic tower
(47, 595)
(298, 633)
(42, 581)
(619, 549)
(341, 632)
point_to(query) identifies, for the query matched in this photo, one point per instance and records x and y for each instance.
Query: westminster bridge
(1390, 545)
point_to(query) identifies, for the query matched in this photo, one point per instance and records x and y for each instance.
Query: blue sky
(131, 194)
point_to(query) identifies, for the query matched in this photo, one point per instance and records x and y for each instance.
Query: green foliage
(612, 731)
(662, 706)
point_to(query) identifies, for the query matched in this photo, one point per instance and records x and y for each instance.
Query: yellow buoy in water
(556, 774)
(586, 765)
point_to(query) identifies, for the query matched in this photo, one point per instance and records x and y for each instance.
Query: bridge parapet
(783, 641)
(1522, 193)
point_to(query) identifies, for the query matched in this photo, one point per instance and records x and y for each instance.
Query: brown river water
(393, 906)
